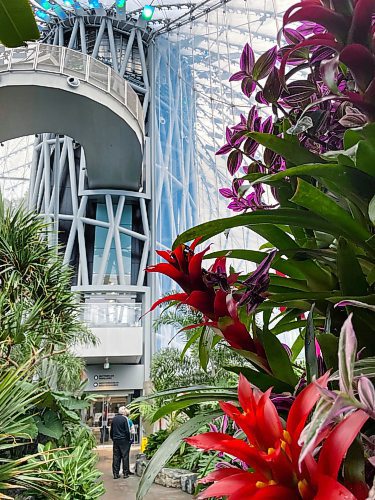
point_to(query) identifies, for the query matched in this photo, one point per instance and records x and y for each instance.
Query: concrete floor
(126, 488)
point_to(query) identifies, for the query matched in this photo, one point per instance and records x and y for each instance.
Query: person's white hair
(123, 411)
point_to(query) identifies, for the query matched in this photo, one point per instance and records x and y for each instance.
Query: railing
(111, 314)
(64, 61)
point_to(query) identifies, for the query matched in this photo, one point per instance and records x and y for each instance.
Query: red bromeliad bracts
(272, 453)
(212, 292)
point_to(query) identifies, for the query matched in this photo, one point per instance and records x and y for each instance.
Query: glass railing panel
(111, 315)
(4, 58)
(132, 101)
(118, 87)
(24, 58)
(75, 64)
(49, 58)
(98, 74)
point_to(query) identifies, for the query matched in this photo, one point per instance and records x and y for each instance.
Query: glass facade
(111, 275)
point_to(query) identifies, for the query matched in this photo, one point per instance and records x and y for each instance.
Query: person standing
(121, 437)
(132, 431)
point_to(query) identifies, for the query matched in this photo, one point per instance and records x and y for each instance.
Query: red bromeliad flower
(273, 468)
(211, 292)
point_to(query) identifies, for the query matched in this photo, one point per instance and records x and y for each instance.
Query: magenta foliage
(321, 77)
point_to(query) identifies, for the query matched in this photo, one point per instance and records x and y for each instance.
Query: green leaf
(344, 180)
(17, 23)
(169, 447)
(205, 346)
(261, 380)
(329, 345)
(320, 204)
(350, 274)
(184, 402)
(354, 464)
(329, 170)
(278, 359)
(365, 157)
(192, 339)
(284, 266)
(297, 347)
(288, 216)
(292, 151)
(310, 349)
(293, 325)
(50, 425)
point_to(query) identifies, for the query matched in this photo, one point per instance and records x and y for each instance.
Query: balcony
(118, 329)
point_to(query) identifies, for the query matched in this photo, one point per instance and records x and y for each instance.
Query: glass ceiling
(172, 14)
(210, 35)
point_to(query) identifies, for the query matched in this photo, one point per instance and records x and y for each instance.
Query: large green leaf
(184, 402)
(297, 347)
(261, 380)
(284, 266)
(288, 216)
(50, 425)
(292, 151)
(351, 277)
(345, 180)
(169, 447)
(329, 345)
(205, 345)
(321, 205)
(278, 358)
(17, 23)
(365, 157)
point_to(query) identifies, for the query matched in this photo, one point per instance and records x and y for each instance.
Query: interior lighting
(120, 4)
(69, 3)
(94, 4)
(45, 4)
(147, 12)
(42, 15)
(59, 11)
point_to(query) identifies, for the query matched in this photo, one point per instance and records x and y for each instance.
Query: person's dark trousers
(121, 449)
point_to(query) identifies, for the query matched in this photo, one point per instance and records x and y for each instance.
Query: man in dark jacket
(120, 435)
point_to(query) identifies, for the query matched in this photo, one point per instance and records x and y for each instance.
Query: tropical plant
(154, 441)
(282, 459)
(17, 427)
(307, 187)
(41, 392)
(38, 311)
(73, 472)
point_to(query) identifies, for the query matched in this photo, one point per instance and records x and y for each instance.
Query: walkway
(46, 88)
(126, 488)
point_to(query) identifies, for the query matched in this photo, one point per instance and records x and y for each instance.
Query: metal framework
(179, 65)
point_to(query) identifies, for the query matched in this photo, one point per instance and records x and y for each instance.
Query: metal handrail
(69, 62)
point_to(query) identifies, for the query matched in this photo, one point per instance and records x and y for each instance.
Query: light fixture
(94, 4)
(147, 12)
(69, 3)
(45, 4)
(120, 4)
(106, 364)
(42, 15)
